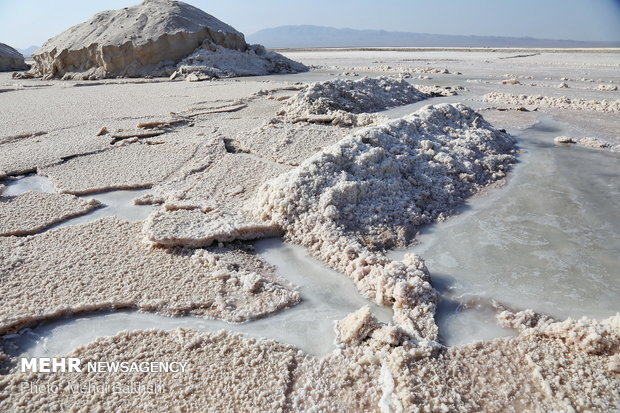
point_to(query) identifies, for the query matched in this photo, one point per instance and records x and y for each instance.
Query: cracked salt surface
(326, 297)
(115, 203)
(549, 240)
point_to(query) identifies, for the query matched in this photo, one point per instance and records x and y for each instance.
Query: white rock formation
(144, 40)
(11, 59)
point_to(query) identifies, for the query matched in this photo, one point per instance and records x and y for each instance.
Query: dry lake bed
(320, 241)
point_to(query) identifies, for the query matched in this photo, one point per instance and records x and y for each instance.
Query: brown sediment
(15, 138)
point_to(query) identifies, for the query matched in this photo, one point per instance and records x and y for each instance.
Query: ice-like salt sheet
(326, 297)
(116, 203)
(27, 183)
(549, 240)
(404, 110)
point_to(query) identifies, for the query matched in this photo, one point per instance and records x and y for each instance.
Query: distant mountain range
(319, 36)
(27, 52)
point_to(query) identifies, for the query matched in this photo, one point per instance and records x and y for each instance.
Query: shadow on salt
(115, 203)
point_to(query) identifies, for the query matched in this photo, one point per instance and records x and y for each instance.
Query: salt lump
(374, 188)
(331, 101)
(148, 39)
(588, 142)
(11, 59)
(355, 327)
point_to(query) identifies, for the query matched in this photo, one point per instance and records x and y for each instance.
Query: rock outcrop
(11, 59)
(149, 39)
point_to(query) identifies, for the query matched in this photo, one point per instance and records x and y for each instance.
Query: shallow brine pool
(549, 240)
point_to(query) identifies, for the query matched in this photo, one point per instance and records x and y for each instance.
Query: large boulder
(11, 59)
(149, 39)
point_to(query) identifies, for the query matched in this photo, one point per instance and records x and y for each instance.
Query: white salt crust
(373, 189)
(34, 211)
(104, 265)
(553, 102)
(566, 366)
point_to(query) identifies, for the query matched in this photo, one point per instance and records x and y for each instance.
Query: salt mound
(11, 59)
(384, 182)
(333, 97)
(374, 188)
(148, 39)
(220, 62)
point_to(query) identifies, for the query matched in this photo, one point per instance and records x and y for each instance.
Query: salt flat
(508, 224)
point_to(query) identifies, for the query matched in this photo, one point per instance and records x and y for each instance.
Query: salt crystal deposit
(553, 102)
(340, 203)
(289, 143)
(588, 142)
(331, 101)
(211, 204)
(33, 211)
(151, 39)
(521, 373)
(201, 228)
(11, 59)
(100, 171)
(221, 163)
(107, 264)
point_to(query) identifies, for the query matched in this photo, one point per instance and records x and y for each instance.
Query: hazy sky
(32, 22)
